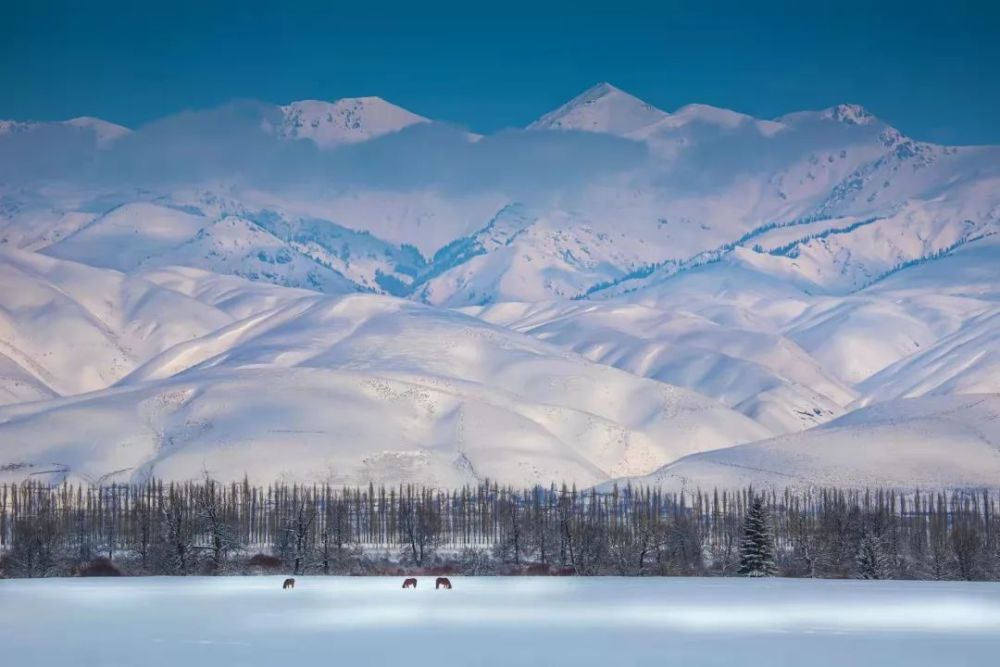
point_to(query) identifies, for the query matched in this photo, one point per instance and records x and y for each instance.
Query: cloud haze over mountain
(242, 144)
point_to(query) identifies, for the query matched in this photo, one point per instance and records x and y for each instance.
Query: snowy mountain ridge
(780, 275)
(602, 108)
(104, 131)
(344, 121)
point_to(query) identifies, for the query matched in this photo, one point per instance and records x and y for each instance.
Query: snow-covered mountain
(602, 108)
(766, 376)
(365, 387)
(68, 328)
(926, 443)
(779, 275)
(345, 121)
(104, 132)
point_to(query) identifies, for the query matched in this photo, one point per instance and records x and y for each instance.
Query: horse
(442, 582)
(410, 583)
(289, 583)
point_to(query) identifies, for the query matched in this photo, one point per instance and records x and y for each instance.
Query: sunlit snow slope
(925, 443)
(367, 387)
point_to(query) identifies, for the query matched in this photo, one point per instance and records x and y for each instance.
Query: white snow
(367, 388)
(602, 108)
(238, 247)
(766, 376)
(128, 235)
(105, 131)
(69, 328)
(848, 114)
(939, 442)
(768, 277)
(344, 121)
(499, 621)
(14, 126)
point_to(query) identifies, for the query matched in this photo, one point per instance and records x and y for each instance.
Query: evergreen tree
(871, 557)
(756, 547)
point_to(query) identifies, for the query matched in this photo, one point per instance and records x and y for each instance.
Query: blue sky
(930, 69)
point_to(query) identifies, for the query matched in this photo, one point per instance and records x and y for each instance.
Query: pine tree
(756, 547)
(871, 557)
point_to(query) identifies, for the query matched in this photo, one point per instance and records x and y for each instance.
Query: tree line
(208, 527)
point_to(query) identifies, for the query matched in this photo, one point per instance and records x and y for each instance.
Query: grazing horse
(289, 583)
(410, 583)
(442, 582)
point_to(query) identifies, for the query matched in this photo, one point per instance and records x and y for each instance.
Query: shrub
(99, 567)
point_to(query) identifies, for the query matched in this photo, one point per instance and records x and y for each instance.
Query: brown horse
(410, 583)
(289, 583)
(442, 582)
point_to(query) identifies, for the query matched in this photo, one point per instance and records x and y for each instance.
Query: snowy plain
(250, 621)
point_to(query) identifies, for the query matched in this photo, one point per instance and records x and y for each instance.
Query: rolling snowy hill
(366, 387)
(763, 375)
(926, 443)
(67, 328)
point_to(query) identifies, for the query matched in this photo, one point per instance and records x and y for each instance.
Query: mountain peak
(709, 114)
(706, 115)
(14, 126)
(850, 114)
(845, 114)
(344, 121)
(599, 90)
(601, 108)
(105, 131)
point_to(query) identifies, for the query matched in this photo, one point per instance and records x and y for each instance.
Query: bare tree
(153, 528)
(214, 521)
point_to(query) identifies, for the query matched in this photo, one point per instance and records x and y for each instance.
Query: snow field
(496, 621)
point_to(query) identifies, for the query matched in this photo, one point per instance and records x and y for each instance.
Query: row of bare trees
(213, 528)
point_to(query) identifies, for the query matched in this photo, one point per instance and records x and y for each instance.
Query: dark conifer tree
(757, 545)
(871, 557)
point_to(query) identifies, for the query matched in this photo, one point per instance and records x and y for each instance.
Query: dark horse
(442, 582)
(410, 583)
(289, 583)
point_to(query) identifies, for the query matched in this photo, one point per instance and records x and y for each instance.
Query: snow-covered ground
(496, 621)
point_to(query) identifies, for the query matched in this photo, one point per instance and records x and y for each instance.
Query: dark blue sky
(930, 69)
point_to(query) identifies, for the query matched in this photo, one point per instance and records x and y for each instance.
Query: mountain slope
(602, 108)
(128, 235)
(831, 200)
(764, 376)
(17, 384)
(67, 328)
(365, 386)
(926, 443)
(235, 246)
(794, 270)
(346, 121)
(104, 132)
(965, 362)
